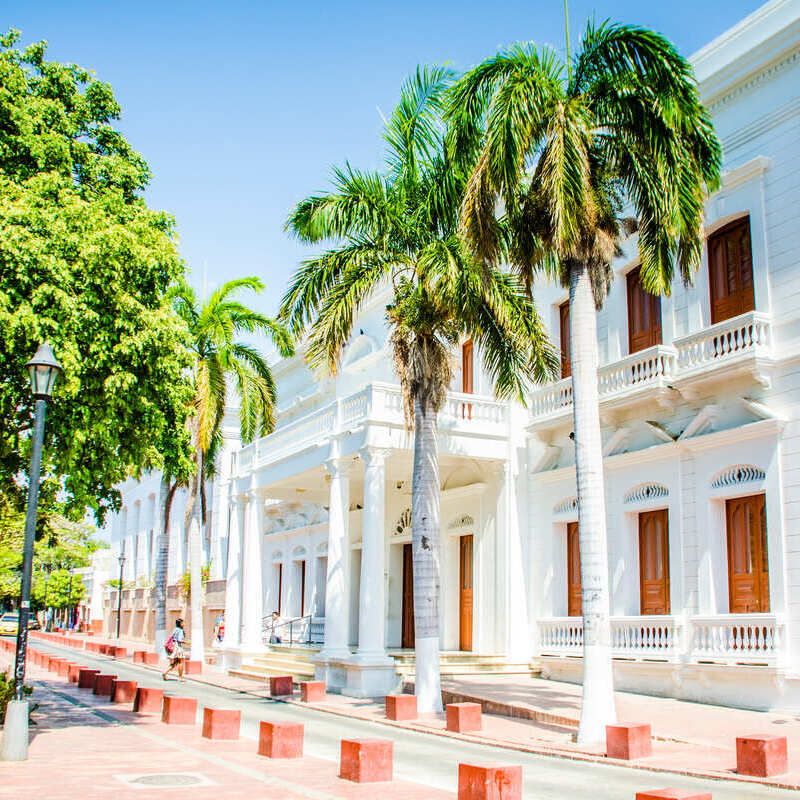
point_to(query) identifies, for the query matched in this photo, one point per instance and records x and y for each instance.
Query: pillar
(252, 560)
(233, 577)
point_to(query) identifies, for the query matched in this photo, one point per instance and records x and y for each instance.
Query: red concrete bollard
(63, 668)
(151, 659)
(762, 756)
(86, 678)
(463, 717)
(148, 701)
(123, 691)
(628, 741)
(119, 652)
(74, 672)
(103, 685)
(401, 707)
(489, 782)
(221, 723)
(280, 739)
(52, 664)
(179, 710)
(281, 686)
(193, 667)
(366, 760)
(138, 656)
(312, 691)
(673, 794)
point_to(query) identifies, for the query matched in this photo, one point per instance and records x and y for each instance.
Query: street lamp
(43, 369)
(119, 588)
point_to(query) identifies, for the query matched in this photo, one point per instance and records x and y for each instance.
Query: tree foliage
(85, 264)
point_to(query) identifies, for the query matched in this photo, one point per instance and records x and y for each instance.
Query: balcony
(742, 344)
(376, 404)
(730, 639)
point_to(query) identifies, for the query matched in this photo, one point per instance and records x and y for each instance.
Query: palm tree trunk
(165, 497)
(426, 555)
(597, 709)
(197, 632)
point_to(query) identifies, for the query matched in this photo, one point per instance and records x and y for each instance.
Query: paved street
(419, 758)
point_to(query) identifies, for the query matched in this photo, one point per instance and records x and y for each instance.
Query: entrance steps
(460, 662)
(294, 660)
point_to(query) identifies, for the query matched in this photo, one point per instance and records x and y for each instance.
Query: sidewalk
(689, 738)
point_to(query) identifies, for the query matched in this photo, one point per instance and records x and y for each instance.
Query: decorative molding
(734, 476)
(462, 521)
(748, 132)
(569, 505)
(645, 492)
(403, 525)
(616, 440)
(277, 555)
(733, 178)
(705, 419)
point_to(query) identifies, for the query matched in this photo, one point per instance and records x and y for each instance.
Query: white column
(337, 587)
(252, 594)
(372, 596)
(233, 578)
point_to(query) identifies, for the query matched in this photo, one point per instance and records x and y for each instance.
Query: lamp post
(119, 588)
(44, 370)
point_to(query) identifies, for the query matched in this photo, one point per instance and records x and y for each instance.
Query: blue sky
(242, 108)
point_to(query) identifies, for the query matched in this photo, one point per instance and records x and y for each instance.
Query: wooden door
(280, 588)
(465, 582)
(730, 271)
(748, 563)
(574, 594)
(467, 376)
(563, 321)
(654, 562)
(644, 315)
(407, 637)
(302, 588)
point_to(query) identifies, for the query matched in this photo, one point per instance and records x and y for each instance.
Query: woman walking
(175, 651)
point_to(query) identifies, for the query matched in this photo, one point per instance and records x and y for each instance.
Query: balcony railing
(741, 340)
(378, 403)
(718, 639)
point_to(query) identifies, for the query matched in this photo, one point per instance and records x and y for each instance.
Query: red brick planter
(463, 717)
(366, 760)
(123, 691)
(762, 756)
(148, 701)
(221, 723)
(401, 707)
(312, 691)
(280, 739)
(179, 710)
(489, 782)
(628, 741)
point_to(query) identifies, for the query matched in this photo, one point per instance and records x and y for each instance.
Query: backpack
(169, 645)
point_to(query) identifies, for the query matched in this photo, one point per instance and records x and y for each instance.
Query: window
(748, 565)
(563, 321)
(644, 315)
(467, 385)
(654, 562)
(730, 271)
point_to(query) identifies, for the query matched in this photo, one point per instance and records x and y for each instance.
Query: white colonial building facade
(700, 407)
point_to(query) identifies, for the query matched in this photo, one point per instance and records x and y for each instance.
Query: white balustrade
(553, 399)
(737, 638)
(643, 367)
(561, 636)
(652, 637)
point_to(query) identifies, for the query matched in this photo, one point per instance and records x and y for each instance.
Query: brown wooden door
(563, 321)
(748, 563)
(730, 271)
(644, 315)
(407, 637)
(654, 562)
(467, 376)
(465, 582)
(302, 588)
(280, 588)
(574, 594)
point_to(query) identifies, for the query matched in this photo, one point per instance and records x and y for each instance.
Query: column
(252, 594)
(337, 587)
(233, 577)
(372, 600)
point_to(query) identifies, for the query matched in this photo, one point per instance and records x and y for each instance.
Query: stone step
(262, 673)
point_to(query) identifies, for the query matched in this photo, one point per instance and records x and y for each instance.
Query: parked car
(9, 624)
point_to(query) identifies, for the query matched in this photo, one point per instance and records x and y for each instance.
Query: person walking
(219, 628)
(175, 652)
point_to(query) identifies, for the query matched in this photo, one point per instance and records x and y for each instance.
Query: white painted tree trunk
(196, 634)
(426, 550)
(162, 562)
(597, 709)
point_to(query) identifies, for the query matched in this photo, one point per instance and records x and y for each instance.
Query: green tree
(218, 358)
(561, 148)
(401, 226)
(87, 265)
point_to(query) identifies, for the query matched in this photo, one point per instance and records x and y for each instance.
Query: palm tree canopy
(218, 356)
(401, 226)
(566, 147)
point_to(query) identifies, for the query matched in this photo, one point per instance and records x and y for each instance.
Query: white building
(700, 405)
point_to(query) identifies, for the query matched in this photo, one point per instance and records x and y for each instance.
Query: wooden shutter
(654, 562)
(644, 315)
(466, 377)
(407, 638)
(574, 592)
(563, 316)
(730, 271)
(748, 562)
(465, 593)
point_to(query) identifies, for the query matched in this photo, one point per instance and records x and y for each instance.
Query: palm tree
(400, 226)
(561, 149)
(217, 359)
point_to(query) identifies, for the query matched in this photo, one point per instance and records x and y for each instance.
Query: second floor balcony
(741, 344)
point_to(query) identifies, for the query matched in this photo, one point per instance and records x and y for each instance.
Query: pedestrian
(276, 623)
(175, 652)
(219, 627)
